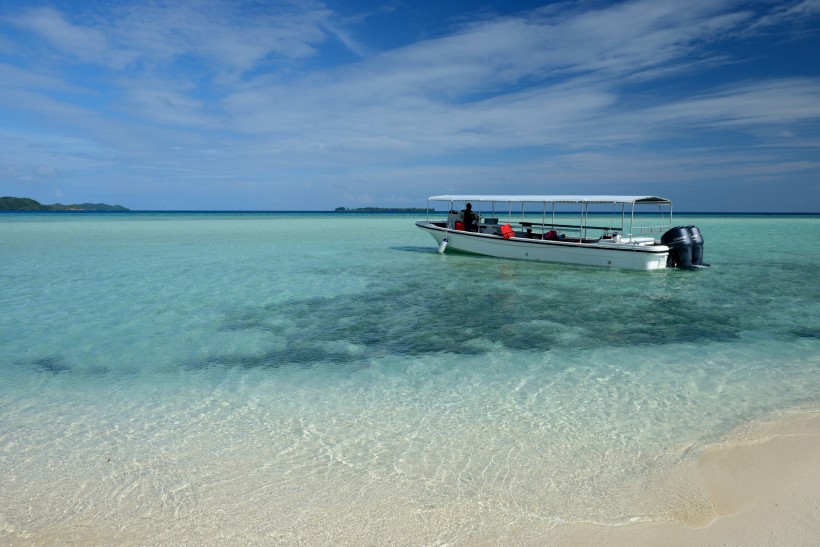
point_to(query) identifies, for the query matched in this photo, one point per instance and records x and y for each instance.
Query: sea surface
(325, 379)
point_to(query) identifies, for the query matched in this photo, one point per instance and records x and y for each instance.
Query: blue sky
(307, 105)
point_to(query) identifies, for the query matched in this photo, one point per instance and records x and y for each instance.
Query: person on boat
(470, 219)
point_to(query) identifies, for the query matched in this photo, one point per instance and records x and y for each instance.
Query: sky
(311, 105)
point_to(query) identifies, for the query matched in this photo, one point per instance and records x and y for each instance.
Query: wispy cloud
(231, 37)
(746, 106)
(84, 43)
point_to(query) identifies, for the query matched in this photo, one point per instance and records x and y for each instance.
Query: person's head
(469, 206)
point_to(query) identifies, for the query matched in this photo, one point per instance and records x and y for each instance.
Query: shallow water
(325, 378)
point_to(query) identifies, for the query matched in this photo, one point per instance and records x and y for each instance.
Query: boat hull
(608, 254)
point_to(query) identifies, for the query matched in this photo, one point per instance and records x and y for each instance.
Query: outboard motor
(697, 246)
(680, 247)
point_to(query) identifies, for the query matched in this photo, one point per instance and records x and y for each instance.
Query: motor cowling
(679, 241)
(697, 245)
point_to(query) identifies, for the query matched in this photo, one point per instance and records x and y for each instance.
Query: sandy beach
(763, 484)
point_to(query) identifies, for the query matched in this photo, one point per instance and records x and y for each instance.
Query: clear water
(330, 378)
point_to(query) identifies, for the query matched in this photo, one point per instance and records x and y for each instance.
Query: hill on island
(28, 204)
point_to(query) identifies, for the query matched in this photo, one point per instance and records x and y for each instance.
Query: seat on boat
(488, 226)
(452, 217)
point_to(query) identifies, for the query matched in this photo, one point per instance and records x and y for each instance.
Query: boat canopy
(632, 200)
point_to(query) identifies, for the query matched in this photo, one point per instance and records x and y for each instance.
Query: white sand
(764, 486)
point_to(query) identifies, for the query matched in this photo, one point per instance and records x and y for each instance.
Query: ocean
(329, 378)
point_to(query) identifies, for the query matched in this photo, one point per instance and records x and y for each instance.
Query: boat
(599, 230)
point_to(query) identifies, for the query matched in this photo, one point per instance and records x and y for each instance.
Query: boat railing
(605, 232)
(650, 229)
(574, 227)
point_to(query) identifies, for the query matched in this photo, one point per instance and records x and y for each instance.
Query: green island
(381, 209)
(28, 204)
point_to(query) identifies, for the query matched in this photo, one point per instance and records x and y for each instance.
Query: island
(27, 204)
(382, 210)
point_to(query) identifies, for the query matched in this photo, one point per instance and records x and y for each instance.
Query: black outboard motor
(697, 246)
(680, 247)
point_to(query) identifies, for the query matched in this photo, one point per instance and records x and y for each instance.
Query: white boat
(608, 231)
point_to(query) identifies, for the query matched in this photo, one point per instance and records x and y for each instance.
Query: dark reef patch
(53, 365)
(420, 317)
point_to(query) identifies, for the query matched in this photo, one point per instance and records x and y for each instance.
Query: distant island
(381, 209)
(27, 204)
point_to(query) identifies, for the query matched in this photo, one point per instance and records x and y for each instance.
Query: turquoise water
(326, 378)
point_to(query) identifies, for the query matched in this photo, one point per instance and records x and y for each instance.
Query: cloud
(535, 78)
(233, 37)
(787, 13)
(85, 43)
(16, 77)
(747, 105)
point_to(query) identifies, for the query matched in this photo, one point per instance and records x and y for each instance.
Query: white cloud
(15, 77)
(788, 12)
(85, 43)
(519, 80)
(755, 104)
(234, 37)
(231, 37)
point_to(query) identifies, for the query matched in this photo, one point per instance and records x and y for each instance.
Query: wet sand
(763, 484)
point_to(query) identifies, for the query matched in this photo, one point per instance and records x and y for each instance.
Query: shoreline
(762, 483)
(759, 485)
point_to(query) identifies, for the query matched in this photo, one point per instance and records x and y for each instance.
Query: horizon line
(408, 210)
